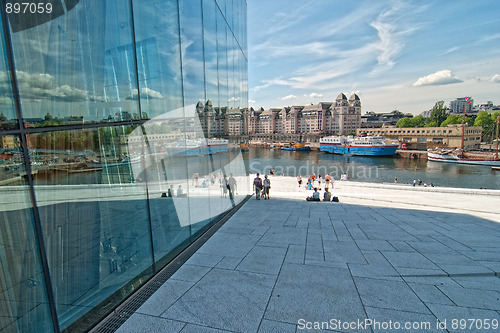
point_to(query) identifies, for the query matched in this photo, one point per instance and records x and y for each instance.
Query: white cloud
(495, 78)
(314, 95)
(251, 101)
(234, 99)
(453, 49)
(439, 78)
(146, 93)
(288, 97)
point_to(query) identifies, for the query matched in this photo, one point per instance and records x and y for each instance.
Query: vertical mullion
(31, 189)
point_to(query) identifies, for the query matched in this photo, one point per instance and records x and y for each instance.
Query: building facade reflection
(98, 123)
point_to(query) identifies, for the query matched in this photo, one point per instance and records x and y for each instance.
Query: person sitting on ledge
(315, 196)
(327, 196)
(180, 193)
(170, 192)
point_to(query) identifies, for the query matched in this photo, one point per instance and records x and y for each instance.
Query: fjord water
(372, 169)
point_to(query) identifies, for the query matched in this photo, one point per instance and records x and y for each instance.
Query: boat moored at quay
(296, 146)
(358, 146)
(193, 147)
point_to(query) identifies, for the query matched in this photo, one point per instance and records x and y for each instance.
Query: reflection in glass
(8, 119)
(93, 213)
(158, 56)
(23, 297)
(73, 71)
(127, 139)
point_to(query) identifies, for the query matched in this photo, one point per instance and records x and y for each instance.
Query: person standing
(299, 180)
(232, 185)
(328, 179)
(257, 186)
(267, 186)
(224, 186)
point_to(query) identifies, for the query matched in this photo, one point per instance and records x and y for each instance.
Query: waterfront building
(458, 105)
(422, 138)
(297, 122)
(100, 102)
(390, 118)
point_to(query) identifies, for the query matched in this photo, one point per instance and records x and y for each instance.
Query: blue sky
(395, 54)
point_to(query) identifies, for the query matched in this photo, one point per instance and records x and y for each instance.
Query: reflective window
(158, 56)
(8, 118)
(71, 70)
(94, 215)
(23, 297)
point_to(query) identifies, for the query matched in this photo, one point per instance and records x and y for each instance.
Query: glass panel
(160, 81)
(198, 147)
(164, 170)
(94, 216)
(8, 118)
(23, 298)
(71, 70)
(158, 56)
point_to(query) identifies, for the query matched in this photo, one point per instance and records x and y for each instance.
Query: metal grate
(119, 315)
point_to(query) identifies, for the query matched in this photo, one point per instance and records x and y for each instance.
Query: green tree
(418, 121)
(451, 119)
(456, 120)
(438, 114)
(405, 122)
(483, 119)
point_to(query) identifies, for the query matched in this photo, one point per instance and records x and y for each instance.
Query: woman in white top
(267, 186)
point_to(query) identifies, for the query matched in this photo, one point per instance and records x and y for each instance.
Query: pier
(413, 154)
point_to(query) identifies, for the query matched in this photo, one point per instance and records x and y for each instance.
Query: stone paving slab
(277, 262)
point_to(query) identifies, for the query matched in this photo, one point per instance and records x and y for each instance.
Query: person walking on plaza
(257, 186)
(267, 186)
(232, 185)
(224, 186)
(328, 179)
(299, 180)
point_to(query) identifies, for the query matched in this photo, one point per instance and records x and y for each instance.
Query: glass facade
(106, 173)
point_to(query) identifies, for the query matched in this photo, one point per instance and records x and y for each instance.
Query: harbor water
(373, 169)
(292, 163)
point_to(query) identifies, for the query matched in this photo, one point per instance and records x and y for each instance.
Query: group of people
(228, 185)
(328, 181)
(416, 182)
(261, 187)
(172, 193)
(327, 196)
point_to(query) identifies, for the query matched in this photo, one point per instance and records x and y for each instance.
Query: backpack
(335, 199)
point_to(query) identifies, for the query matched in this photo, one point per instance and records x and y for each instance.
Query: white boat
(361, 145)
(463, 157)
(457, 156)
(192, 147)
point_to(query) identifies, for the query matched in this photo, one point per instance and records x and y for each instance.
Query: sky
(395, 54)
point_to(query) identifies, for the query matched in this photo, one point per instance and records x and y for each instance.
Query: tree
(451, 120)
(438, 114)
(405, 122)
(418, 121)
(456, 120)
(483, 119)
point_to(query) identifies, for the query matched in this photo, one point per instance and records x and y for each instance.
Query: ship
(296, 146)
(244, 147)
(463, 157)
(459, 156)
(193, 147)
(358, 146)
